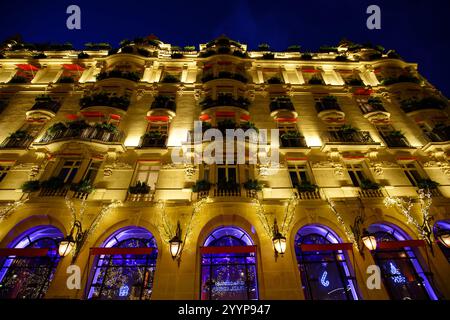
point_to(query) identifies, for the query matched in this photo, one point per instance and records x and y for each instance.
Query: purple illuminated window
(443, 225)
(229, 276)
(30, 277)
(402, 273)
(325, 274)
(125, 276)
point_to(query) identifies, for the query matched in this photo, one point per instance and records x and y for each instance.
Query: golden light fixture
(369, 240)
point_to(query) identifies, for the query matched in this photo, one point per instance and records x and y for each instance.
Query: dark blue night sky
(418, 30)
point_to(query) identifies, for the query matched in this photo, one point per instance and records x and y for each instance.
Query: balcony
(281, 103)
(225, 100)
(55, 187)
(153, 139)
(374, 109)
(44, 106)
(428, 103)
(225, 75)
(226, 189)
(164, 102)
(395, 141)
(371, 193)
(440, 133)
(348, 140)
(329, 107)
(18, 140)
(118, 74)
(294, 140)
(106, 135)
(104, 99)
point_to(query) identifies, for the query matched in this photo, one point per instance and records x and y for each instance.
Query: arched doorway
(124, 266)
(324, 268)
(401, 271)
(29, 263)
(442, 226)
(228, 266)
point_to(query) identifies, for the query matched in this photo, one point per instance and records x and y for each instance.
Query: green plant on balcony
(139, 188)
(275, 80)
(78, 125)
(367, 184)
(107, 127)
(294, 48)
(253, 185)
(189, 48)
(84, 186)
(168, 78)
(66, 79)
(153, 135)
(268, 56)
(348, 130)
(427, 184)
(56, 127)
(306, 186)
(263, 47)
(315, 80)
(83, 55)
(105, 99)
(54, 183)
(19, 135)
(291, 135)
(306, 56)
(164, 102)
(201, 185)
(18, 79)
(30, 186)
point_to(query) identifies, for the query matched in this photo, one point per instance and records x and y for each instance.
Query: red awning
(204, 117)
(363, 92)
(110, 251)
(400, 244)
(115, 116)
(26, 252)
(233, 249)
(92, 114)
(158, 118)
(72, 116)
(326, 247)
(286, 119)
(245, 117)
(73, 67)
(27, 67)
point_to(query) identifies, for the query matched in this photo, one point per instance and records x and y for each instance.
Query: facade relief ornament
(189, 171)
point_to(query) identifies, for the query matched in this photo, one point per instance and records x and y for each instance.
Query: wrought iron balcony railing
(153, 141)
(89, 133)
(297, 142)
(359, 137)
(17, 142)
(396, 142)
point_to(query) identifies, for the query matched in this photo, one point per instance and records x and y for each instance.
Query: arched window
(439, 226)
(324, 272)
(29, 276)
(402, 273)
(125, 275)
(229, 266)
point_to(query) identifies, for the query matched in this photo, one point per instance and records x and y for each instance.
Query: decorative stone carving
(189, 171)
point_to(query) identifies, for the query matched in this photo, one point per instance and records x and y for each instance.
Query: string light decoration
(9, 209)
(77, 218)
(289, 213)
(348, 231)
(405, 206)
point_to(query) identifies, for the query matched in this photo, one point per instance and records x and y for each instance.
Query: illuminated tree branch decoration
(165, 227)
(9, 209)
(77, 218)
(405, 206)
(289, 213)
(348, 231)
(262, 216)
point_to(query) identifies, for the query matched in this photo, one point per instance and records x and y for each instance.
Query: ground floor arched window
(124, 266)
(29, 263)
(402, 273)
(442, 226)
(228, 266)
(324, 268)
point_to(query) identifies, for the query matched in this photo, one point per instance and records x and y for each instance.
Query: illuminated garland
(165, 227)
(289, 213)
(405, 207)
(105, 210)
(261, 214)
(7, 211)
(348, 232)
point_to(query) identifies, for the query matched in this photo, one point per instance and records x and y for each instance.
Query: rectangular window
(69, 170)
(92, 170)
(412, 173)
(147, 173)
(227, 173)
(299, 174)
(4, 171)
(356, 173)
